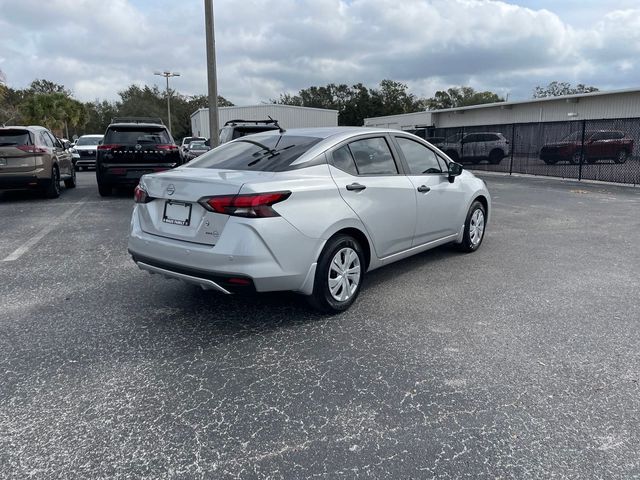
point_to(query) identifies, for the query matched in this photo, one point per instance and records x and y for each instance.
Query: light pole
(212, 76)
(166, 74)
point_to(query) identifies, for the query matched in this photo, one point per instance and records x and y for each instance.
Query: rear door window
(265, 153)
(46, 139)
(14, 137)
(137, 135)
(343, 160)
(373, 157)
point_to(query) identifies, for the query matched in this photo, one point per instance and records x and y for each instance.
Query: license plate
(177, 213)
(3, 162)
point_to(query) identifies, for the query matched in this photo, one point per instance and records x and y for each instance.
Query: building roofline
(535, 100)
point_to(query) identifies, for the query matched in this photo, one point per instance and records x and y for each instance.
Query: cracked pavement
(518, 361)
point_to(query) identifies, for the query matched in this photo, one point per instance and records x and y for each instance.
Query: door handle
(356, 187)
(423, 189)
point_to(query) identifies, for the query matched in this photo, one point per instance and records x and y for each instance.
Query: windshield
(197, 146)
(573, 137)
(88, 141)
(272, 153)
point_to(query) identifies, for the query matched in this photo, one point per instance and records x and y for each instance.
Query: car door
(384, 199)
(471, 146)
(440, 204)
(64, 157)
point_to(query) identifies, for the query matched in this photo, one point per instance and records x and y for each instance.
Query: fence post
(513, 146)
(584, 126)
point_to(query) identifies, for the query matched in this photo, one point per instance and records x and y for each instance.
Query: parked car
(84, 151)
(474, 147)
(308, 210)
(196, 149)
(131, 148)
(33, 158)
(184, 145)
(598, 145)
(239, 128)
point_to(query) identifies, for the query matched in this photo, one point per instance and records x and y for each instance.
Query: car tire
(621, 157)
(496, 156)
(334, 289)
(453, 155)
(52, 190)
(474, 228)
(105, 189)
(575, 159)
(71, 182)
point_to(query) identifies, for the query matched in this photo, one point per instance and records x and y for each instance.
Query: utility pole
(166, 74)
(212, 78)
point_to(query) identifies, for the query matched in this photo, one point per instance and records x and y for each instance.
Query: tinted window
(343, 160)
(88, 141)
(46, 139)
(471, 138)
(491, 137)
(272, 153)
(134, 135)
(373, 157)
(9, 137)
(420, 159)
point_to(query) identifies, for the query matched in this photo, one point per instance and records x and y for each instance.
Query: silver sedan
(307, 210)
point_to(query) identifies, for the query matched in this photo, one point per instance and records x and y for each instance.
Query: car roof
(140, 125)
(25, 127)
(326, 132)
(91, 135)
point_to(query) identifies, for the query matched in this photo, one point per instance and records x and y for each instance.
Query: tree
(55, 111)
(357, 102)
(460, 97)
(46, 86)
(558, 89)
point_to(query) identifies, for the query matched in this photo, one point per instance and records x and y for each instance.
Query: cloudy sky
(265, 47)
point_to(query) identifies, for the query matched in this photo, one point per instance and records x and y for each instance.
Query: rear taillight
(140, 195)
(168, 147)
(252, 205)
(31, 149)
(110, 146)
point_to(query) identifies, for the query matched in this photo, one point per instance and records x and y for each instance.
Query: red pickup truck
(598, 145)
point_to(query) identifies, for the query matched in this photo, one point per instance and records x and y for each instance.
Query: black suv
(239, 128)
(131, 147)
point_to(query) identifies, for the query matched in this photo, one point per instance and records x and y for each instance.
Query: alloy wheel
(476, 227)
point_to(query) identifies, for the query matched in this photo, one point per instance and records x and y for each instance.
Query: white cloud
(264, 47)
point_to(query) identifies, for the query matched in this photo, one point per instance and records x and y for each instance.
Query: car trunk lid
(175, 212)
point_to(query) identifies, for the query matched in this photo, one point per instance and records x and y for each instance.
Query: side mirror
(453, 171)
(67, 145)
(207, 142)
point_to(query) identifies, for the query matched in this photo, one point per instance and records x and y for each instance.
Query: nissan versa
(308, 210)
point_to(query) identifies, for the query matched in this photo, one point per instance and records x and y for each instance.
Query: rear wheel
(52, 190)
(622, 156)
(474, 228)
(105, 189)
(496, 156)
(339, 275)
(71, 182)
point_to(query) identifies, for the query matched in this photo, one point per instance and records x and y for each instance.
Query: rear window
(13, 136)
(272, 153)
(88, 141)
(134, 135)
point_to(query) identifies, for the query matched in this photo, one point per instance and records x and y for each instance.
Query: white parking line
(18, 252)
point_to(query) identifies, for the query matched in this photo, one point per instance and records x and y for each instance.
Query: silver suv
(474, 147)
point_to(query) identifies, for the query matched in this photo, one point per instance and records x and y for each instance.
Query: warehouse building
(586, 106)
(288, 116)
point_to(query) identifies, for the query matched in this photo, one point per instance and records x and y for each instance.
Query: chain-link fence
(607, 150)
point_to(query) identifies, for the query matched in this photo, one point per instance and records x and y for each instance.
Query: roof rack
(137, 120)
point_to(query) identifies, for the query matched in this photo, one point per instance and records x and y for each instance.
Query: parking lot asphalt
(518, 361)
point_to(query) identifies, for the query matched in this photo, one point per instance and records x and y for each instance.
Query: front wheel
(575, 158)
(474, 228)
(496, 156)
(339, 275)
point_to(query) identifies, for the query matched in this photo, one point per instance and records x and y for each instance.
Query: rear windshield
(11, 136)
(272, 153)
(134, 135)
(88, 141)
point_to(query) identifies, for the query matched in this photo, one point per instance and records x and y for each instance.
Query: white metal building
(585, 106)
(288, 116)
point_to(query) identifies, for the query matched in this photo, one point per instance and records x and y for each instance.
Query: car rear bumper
(22, 181)
(269, 252)
(128, 174)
